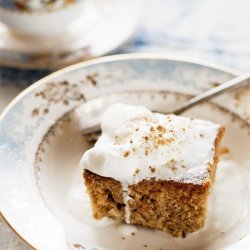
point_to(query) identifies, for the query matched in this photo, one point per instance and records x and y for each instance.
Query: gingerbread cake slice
(152, 169)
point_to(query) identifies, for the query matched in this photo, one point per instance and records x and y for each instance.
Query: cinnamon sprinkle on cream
(137, 171)
(152, 169)
(161, 129)
(126, 153)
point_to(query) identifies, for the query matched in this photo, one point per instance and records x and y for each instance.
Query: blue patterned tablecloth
(211, 30)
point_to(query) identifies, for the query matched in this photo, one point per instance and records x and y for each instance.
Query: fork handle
(240, 81)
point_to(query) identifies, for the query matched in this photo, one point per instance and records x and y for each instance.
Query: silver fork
(237, 82)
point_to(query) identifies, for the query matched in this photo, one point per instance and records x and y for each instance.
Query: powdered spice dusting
(126, 153)
(141, 139)
(137, 171)
(152, 169)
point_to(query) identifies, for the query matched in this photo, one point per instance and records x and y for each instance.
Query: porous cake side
(166, 205)
(178, 208)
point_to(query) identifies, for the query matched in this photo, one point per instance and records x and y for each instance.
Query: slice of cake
(151, 169)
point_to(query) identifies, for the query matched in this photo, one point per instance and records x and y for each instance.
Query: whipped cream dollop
(137, 144)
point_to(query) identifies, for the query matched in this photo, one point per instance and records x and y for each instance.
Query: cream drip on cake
(137, 144)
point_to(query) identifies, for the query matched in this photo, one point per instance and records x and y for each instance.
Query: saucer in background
(102, 27)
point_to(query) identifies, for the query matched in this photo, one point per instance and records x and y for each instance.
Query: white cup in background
(43, 22)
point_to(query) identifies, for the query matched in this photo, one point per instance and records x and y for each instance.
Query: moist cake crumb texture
(151, 169)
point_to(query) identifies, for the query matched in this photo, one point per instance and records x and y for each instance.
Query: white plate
(41, 190)
(101, 28)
